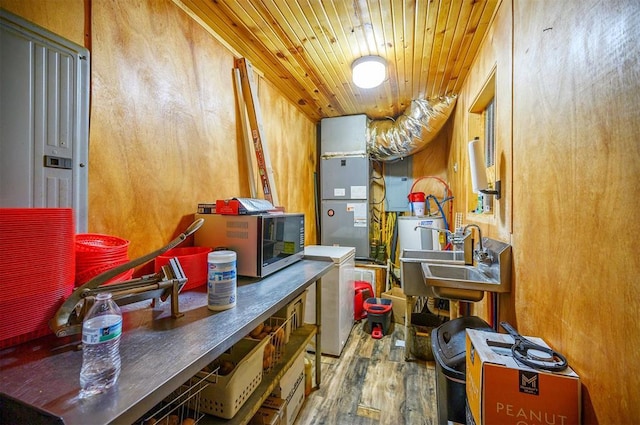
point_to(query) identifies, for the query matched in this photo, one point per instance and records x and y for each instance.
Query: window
(490, 134)
(482, 118)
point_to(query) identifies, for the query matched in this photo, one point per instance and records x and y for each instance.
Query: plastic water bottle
(101, 332)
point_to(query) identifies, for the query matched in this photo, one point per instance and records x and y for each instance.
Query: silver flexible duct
(389, 139)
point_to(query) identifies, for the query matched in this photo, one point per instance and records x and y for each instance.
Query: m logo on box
(529, 382)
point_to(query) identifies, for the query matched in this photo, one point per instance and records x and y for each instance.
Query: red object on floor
(363, 290)
(378, 305)
(376, 332)
(379, 315)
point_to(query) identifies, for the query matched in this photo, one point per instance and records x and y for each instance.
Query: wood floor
(371, 384)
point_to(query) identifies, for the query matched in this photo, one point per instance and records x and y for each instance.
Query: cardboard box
(286, 386)
(275, 403)
(272, 412)
(266, 416)
(501, 390)
(291, 389)
(295, 402)
(398, 303)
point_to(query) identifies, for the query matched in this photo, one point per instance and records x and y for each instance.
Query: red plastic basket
(38, 264)
(97, 253)
(87, 275)
(193, 260)
(95, 242)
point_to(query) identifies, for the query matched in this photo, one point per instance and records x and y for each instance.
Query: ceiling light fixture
(369, 71)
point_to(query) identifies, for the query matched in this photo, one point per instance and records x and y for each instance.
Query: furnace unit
(345, 172)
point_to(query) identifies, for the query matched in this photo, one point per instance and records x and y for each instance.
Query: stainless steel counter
(158, 353)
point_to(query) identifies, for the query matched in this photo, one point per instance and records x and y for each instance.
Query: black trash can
(449, 352)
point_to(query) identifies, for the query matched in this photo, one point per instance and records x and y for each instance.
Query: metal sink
(446, 275)
(443, 274)
(494, 275)
(460, 277)
(413, 282)
(447, 257)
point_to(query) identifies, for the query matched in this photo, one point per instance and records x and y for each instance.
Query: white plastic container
(417, 200)
(221, 280)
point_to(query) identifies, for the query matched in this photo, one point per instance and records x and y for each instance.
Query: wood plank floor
(372, 384)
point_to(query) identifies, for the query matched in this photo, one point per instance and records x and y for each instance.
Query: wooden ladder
(248, 98)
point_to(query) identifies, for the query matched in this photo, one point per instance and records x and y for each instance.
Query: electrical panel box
(343, 136)
(44, 119)
(398, 181)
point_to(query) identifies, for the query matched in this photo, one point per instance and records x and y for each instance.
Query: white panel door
(44, 97)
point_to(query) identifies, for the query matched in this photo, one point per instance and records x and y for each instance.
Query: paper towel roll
(476, 164)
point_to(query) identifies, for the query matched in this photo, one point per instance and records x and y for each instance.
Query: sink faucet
(420, 226)
(445, 231)
(460, 241)
(481, 255)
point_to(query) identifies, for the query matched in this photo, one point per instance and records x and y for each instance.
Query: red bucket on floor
(378, 316)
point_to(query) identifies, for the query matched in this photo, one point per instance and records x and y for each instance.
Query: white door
(44, 115)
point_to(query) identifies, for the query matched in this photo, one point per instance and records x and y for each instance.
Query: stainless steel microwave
(264, 243)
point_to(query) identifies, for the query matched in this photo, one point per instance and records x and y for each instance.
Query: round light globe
(369, 71)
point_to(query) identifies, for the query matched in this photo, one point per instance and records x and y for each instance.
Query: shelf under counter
(298, 342)
(158, 353)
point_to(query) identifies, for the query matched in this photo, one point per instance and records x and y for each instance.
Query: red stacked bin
(37, 268)
(97, 253)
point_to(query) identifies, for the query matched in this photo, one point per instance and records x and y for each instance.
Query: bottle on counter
(101, 332)
(221, 280)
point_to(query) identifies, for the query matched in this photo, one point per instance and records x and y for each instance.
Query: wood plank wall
(569, 137)
(494, 56)
(568, 91)
(164, 130)
(576, 191)
(65, 18)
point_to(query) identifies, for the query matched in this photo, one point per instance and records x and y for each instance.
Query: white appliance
(411, 238)
(338, 291)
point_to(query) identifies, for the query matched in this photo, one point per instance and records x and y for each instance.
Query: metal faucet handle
(483, 256)
(458, 237)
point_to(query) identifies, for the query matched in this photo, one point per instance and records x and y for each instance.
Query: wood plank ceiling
(306, 47)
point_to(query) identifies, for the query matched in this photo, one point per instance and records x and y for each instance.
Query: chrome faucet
(446, 231)
(481, 255)
(460, 241)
